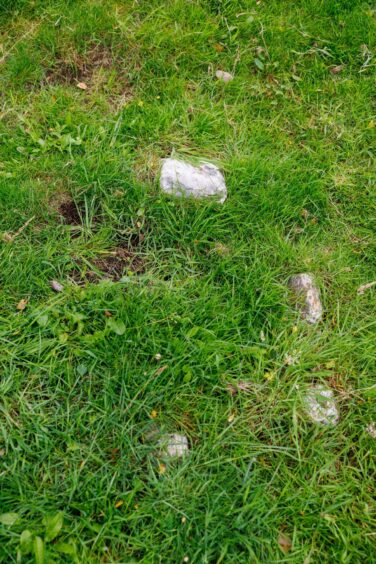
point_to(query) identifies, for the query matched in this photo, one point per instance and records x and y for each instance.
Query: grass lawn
(168, 303)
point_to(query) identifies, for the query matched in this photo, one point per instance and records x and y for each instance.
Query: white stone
(224, 76)
(173, 445)
(183, 179)
(371, 430)
(320, 406)
(305, 289)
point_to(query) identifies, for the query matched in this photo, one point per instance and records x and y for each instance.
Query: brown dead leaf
(22, 304)
(218, 47)
(108, 313)
(82, 85)
(7, 237)
(337, 69)
(284, 543)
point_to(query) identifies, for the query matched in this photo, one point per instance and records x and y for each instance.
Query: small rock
(320, 406)
(224, 76)
(371, 430)
(183, 179)
(56, 286)
(173, 445)
(304, 287)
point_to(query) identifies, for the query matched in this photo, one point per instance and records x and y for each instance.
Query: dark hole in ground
(69, 211)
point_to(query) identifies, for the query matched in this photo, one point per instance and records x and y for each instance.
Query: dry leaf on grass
(337, 69)
(22, 304)
(284, 543)
(218, 47)
(82, 85)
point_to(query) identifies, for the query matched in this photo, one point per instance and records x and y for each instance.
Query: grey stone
(173, 445)
(224, 76)
(56, 286)
(183, 179)
(320, 405)
(308, 296)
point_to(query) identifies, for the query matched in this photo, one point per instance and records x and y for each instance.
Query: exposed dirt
(69, 212)
(73, 67)
(98, 69)
(112, 265)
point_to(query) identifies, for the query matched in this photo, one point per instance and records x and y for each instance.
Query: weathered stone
(371, 430)
(224, 76)
(320, 406)
(308, 296)
(56, 286)
(173, 445)
(183, 179)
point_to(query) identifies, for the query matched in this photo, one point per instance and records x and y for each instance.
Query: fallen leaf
(218, 47)
(365, 287)
(162, 468)
(115, 454)
(337, 69)
(22, 304)
(119, 504)
(82, 85)
(284, 543)
(154, 414)
(108, 313)
(231, 418)
(56, 286)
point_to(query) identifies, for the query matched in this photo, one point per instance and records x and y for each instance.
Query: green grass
(78, 389)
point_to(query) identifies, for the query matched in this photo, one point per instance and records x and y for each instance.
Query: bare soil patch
(110, 265)
(69, 212)
(73, 67)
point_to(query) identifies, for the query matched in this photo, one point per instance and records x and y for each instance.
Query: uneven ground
(201, 285)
